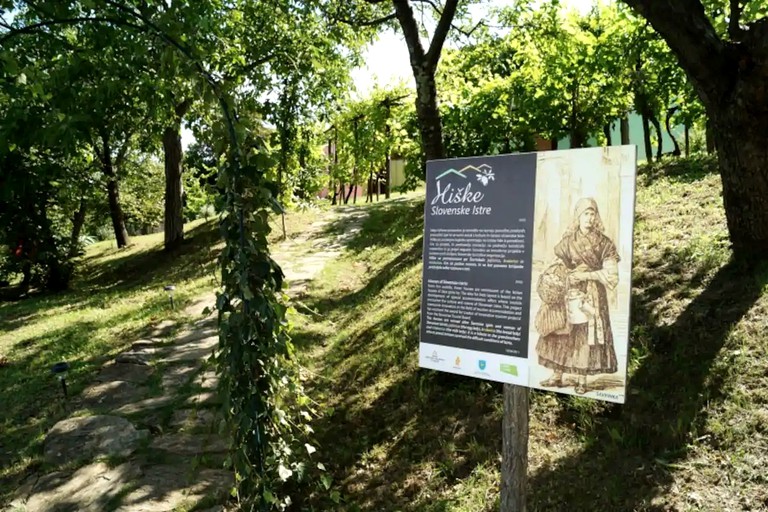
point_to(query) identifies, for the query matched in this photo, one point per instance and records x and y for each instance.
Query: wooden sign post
(527, 280)
(514, 451)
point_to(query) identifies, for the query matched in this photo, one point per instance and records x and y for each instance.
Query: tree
(728, 70)
(423, 61)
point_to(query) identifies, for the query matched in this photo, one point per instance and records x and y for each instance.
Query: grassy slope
(116, 296)
(693, 436)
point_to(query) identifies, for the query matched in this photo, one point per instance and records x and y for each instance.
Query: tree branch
(690, 35)
(734, 29)
(468, 33)
(443, 27)
(123, 150)
(366, 23)
(410, 33)
(30, 29)
(439, 11)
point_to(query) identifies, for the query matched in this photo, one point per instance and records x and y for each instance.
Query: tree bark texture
(647, 139)
(624, 129)
(514, 457)
(709, 136)
(77, 225)
(659, 135)
(428, 114)
(667, 120)
(730, 78)
(113, 194)
(174, 207)
(115, 210)
(687, 141)
(424, 66)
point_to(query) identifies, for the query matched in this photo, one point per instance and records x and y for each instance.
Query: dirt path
(143, 437)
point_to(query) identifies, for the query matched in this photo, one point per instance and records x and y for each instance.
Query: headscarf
(582, 205)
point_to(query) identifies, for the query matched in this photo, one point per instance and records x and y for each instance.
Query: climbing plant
(266, 409)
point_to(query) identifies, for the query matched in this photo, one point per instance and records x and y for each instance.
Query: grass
(116, 296)
(693, 435)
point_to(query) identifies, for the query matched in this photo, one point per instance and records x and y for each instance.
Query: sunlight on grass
(116, 296)
(401, 438)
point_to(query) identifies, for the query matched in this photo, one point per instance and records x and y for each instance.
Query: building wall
(636, 137)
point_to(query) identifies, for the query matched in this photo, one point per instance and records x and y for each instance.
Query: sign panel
(527, 269)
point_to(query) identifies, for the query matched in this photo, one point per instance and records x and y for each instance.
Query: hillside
(693, 435)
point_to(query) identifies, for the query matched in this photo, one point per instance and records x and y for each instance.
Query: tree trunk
(687, 140)
(174, 207)
(710, 137)
(607, 133)
(26, 281)
(578, 139)
(647, 139)
(77, 225)
(174, 217)
(430, 124)
(424, 66)
(657, 126)
(624, 129)
(670, 113)
(514, 458)
(729, 78)
(349, 193)
(113, 194)
(739, 136)
(115, 210)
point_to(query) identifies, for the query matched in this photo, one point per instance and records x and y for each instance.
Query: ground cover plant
(692, 435)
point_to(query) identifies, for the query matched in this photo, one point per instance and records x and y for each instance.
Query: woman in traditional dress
(574, 325)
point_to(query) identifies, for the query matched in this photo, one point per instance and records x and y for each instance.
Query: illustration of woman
(573, 322)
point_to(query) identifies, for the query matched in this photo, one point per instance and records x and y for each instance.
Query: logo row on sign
(466, 362)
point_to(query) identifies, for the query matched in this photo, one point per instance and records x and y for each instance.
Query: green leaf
(326, 480)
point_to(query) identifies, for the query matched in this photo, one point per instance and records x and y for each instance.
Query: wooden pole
(514, 456)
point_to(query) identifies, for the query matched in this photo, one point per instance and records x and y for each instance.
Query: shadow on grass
(682, 170)
(32, 397)
(385, 224)
(623, 464)
(98, 282)
(373, 286)
(135, 270)
(391, 435)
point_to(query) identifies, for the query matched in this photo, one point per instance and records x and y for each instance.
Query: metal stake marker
(169, 288)
(60, 370)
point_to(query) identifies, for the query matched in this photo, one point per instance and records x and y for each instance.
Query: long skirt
(572, 353)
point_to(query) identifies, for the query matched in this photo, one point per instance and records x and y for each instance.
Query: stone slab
(178, 375)
(138, 374)
(114, 393)
(196, 345)
(189, 444)
(91, 437)
(193, 419)
(138, 358)
(88, 489)
(168, 488)
(143, 406)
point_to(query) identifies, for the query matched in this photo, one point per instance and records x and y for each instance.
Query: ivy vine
(265, 407)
